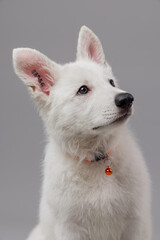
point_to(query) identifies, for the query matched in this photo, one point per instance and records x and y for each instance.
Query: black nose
(124, 100)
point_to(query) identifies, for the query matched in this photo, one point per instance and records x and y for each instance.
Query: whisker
(110, 110)
(109, 114)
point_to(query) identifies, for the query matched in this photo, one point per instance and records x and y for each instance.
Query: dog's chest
(96, 203)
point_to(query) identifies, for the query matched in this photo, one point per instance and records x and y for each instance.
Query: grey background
(130, 34)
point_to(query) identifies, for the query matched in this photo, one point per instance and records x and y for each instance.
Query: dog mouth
(119, 119)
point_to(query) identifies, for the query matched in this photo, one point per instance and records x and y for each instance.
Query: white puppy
(96, 185)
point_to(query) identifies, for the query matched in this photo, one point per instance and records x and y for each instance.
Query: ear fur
(89, 46)
(37, 71)
(34, 69)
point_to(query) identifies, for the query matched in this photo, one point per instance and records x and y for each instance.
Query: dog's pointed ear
(37, 71)
(89, 46)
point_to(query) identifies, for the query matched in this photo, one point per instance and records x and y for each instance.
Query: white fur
(79, 201)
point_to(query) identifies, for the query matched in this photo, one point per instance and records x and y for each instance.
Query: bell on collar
(108, 171)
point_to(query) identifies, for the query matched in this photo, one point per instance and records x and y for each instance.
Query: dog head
(79, 101)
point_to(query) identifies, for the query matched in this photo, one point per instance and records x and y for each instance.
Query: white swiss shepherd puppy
(96, 185)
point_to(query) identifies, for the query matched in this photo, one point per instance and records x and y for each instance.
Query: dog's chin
(121, 118)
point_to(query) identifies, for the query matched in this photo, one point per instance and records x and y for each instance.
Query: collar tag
(101, 156)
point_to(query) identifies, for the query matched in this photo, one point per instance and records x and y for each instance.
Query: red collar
(102, 156)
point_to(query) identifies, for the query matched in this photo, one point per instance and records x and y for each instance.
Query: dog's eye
(112, 82)
(83, 90)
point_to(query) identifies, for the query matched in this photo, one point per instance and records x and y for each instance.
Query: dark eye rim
(79, 92)
(111, 81)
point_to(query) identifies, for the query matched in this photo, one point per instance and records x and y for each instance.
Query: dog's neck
(90, 146)
(90, 150)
